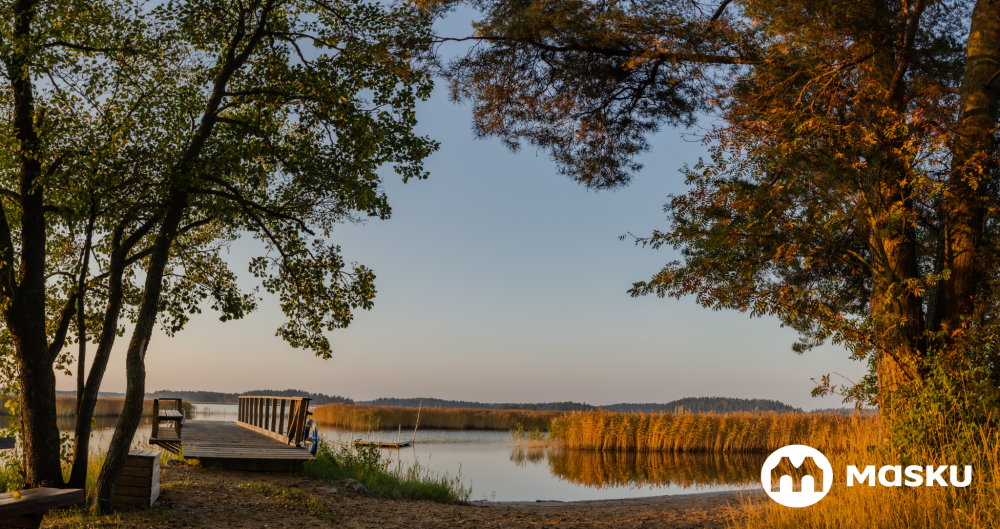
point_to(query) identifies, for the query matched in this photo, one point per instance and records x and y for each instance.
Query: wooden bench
(28, 509)
(170, 441)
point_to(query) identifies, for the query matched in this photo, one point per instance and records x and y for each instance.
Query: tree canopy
(851, 187)
(144, 139)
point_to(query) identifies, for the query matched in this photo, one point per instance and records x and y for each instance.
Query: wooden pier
(267, 435)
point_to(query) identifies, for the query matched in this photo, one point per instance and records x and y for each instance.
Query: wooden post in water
(421, 405)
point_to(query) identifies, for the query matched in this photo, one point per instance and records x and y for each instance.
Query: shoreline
(666, 500)
(195, 496)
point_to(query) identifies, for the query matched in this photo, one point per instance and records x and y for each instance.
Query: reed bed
(66, 407)
(391, 417)
(974, 507)
(706, 432)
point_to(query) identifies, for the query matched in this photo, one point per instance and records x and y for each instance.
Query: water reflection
(631, 470)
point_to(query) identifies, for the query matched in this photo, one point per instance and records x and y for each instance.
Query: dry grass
(391, 417)
(705, 432)
(975, 507)
(66, 407)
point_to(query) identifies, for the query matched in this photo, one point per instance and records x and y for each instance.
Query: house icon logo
(792, 475)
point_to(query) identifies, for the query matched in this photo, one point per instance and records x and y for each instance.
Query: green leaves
(273, 119)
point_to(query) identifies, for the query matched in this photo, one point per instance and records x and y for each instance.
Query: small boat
(381, 444)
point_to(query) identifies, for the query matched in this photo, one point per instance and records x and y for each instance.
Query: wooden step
(140, 482)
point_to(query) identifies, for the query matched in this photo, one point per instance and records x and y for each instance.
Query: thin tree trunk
(135, 370)
(85, 410)
(88, 398)
(81, 310)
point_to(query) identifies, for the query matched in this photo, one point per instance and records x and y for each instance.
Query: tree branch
(68, 311)
(249, 203)
(718, 12)
(82, 47)
(145, 253)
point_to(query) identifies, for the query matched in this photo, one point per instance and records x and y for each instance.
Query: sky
(501, 281)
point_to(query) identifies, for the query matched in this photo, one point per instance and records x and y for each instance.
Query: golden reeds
(976, 506)
(392, 417)
(705, 432)
(66, 407)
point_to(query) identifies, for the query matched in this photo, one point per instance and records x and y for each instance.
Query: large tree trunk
(135, 369)
(897, 311)
(25, 315)
(972, 162)
(38, 419)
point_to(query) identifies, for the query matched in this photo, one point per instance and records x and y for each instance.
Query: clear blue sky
(500, 281)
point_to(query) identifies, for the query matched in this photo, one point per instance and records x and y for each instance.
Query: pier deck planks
(228, 444)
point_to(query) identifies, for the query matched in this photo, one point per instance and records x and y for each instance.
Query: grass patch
(337, 460)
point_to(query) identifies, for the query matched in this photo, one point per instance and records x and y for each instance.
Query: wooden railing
(282, 418)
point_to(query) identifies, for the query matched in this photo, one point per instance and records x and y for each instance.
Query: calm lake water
(498, 470)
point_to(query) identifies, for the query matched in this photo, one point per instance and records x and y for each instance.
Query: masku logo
(796, 476)
(911, 476)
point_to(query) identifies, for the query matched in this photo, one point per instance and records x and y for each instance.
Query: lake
(497, 469)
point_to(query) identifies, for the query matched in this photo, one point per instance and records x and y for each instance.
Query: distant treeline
(704, 404)
(226, 398)
(441, 403)
(691, 404)
(845, 411)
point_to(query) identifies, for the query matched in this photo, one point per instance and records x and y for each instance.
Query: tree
(286, 145)
(145, 140)
(851, 179)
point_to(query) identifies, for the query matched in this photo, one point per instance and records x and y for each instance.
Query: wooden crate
(140, 481)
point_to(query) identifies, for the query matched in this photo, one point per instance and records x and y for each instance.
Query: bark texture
(25, 314)
(972, 166)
